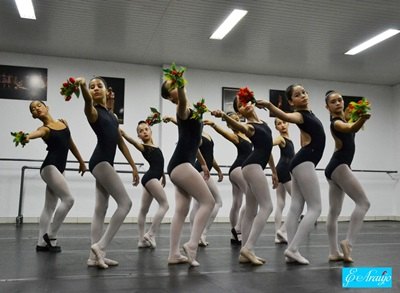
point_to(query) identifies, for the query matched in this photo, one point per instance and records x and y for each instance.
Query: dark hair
(328, 94)
(289, 91)
(164, 90)
(235, 107)
(36, 101)
(102, 79)
(141, 122)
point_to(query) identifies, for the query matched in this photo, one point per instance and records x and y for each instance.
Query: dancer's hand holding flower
(359, 109)
(199, 109)
(20, 137)
(175, 75)
(70, 87)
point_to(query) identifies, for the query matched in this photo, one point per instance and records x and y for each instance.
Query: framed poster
(23, 83)
(228, 94)
(116, 96)
(277, 98)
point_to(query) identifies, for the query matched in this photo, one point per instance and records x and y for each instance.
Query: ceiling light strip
(228, 24)
(25, 9)
(373, 41)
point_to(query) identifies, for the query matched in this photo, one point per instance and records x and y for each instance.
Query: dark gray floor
(145, 270)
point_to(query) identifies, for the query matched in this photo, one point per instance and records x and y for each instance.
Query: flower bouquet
(199, 109)
(175, 75)
(245, 95)
(68, 88)
(356, 109)
(20, 138)
(154, 117)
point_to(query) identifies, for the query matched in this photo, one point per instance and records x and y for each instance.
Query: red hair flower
(20, 138)
(175, 75)
(154, 117)
(68, 88)
(245, 95)
(199, 109)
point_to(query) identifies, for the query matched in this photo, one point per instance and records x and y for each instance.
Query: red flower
(65, 84)
(72, 80)
(67, 98)
(245, 95)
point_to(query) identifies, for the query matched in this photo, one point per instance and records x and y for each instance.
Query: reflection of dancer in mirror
(187, 180)
(239, 185)
(258, 198)
(285, 184)
(56, 134)
(152, 186)
(105, 126)
(342, 180)
(305, 184)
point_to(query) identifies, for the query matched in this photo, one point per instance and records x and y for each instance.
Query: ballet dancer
(342, 180)
(187, 180)
(258, 198)
(305, 185)
(285, 181)
(153, 188)
(105, 125)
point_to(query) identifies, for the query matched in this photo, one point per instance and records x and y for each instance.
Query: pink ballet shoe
(336, 257)
(94, 263)
(247, 253)
(150, 239)
(191, 255)
(346, 248)
(181, 259)
(296, 256)
(99, 255)
(243, 259)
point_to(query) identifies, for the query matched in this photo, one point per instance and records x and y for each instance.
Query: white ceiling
(293, 38)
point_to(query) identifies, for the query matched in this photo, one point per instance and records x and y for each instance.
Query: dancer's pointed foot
(93, 262)
(247, 253)
(243, 259)
(191, 255)
(296, 256)
(99, 256)
(177, 260)
(346, 248)
(143, 244)
(150, 239)
(203, 242)
(336, 257)
(281, 237)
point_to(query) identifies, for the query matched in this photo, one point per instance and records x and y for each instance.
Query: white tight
(108, 183)
(188, 182)
(257, 198)
(305, 189)
(239, 186)
(218, 204)
(280, 204)
(56, 188)
(152, 190)
(343, 181)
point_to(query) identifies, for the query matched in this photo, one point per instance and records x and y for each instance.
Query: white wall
(376, 145)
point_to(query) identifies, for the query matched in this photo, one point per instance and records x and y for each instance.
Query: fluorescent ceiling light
(25, 9)
(373, 41)
(228, 24)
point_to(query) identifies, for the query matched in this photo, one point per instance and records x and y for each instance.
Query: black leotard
(262, 145)
(57, 147)
(106, 129)
(346, 154)
(314, 150)
(154, 156)
(287, 154)
(207, 150)
(244, 148)
(189, 136)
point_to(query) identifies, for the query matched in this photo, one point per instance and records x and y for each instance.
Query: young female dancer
(342, 180)
(239, 185)
(187, 180)
(305, 187)
(105, 126)
(258, 198)
(152, 187)
(285, 181)
(56, 134)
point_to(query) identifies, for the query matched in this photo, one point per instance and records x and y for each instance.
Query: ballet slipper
(247, 253)
(346, 248)
(191, 255)
(99, 255)
(94, 263)
(336, 257)
(296, 256)
(243, 259)
(49, 245)
(177, 260)
(282, 237)
(289, 260)
(143, 244)
(150, 239)
(235, 235)
(202, 241)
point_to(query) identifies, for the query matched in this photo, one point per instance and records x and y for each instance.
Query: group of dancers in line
(189, 171)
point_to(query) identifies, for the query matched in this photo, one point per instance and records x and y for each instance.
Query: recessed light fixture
(25, 9)
(373, 41)
(228, 24)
